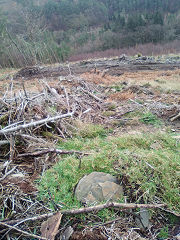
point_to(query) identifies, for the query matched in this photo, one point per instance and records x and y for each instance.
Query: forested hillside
(52, 30)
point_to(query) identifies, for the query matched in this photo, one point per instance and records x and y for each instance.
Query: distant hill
(80, 26)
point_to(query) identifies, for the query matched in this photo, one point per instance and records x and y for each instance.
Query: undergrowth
(144, 117)
(150, 118)
(150, 163)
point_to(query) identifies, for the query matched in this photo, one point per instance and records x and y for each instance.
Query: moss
(151, 172)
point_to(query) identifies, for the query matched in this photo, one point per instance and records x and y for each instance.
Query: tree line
(50, 31)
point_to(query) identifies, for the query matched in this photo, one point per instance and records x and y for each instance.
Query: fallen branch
(67, 99)
(110, 205)
(50, 150)
(92, 95)
(53, 92)
(3, 103)
(175, 118)
(34, 139)
(21, 231)
(8, 173)
(34, 123)
(87, 210)
(75, 212)
(36, 218)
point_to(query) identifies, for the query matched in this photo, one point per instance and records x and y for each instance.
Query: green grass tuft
(163, 234)
(150, 118)
(151, 163)
(89, 130)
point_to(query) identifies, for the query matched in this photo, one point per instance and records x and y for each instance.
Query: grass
(150, 118)
(88, 130)
(117, 88)
(163, 234)
(146, 118)
(161, 81)
(5, 72)
(152, 172)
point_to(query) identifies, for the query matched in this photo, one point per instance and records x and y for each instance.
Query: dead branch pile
(30, 125)
(25, 115)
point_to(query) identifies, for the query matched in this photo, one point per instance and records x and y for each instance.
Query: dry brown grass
(168, 80)
(99, 79)
(121, 96)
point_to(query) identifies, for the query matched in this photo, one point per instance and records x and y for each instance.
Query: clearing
(58, 123)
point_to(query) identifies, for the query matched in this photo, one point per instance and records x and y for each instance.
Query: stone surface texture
(97, 187)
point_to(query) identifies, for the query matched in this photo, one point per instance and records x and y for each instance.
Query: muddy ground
(113, 66)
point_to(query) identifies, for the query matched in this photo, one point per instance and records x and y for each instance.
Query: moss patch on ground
(150, 163)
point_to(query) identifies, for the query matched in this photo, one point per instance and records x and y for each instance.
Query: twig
(50, 150)
(5, 166)
(25, 93)
(13, 124)
(35, 123)
(116, 219)
(67, 99)
(21, 231)
(172, 212)
(62, 134)
(52, 91)
(175, 118)
(92, 95)
(4, 103)
(86, 111)
(110, 205)
(11, 153)
(56, 206)
(8, 173)
(34, 139)
(140, 104)
(149, 165)
(10, 110)
(69, 69)
(37, 96)
(18, 222)
(36, 218)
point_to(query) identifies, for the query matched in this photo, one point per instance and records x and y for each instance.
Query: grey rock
(143, 220)
(67, 233)
(97, 187)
